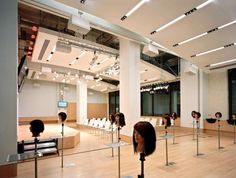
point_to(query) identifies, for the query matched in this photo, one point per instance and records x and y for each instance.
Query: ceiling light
(92, 86)
(63, 80)
(82, 1)
(181, 17)
(225, 25)
(104, 89)
(68, 73)
(37, 77)
(224, 62)
(78, 81)
(203, 34)
(54, 79)
(99, 84)
(50, 55)
(83, 53)
(73, 78)
(76, 75)
(134, 9)
(99, 79)
(104, 60)
(209, 51)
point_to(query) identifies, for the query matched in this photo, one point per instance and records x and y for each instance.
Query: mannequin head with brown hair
(120, 119)
(144, 138)
(193, 114)
(174, 115)
(36, 127)
(112, 118)
(197, 115)
(166, 120)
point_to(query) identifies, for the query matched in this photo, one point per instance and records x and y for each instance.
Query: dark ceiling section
(166, 61)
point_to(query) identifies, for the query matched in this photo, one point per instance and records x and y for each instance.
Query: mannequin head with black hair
(197, 115)
(218, 115)
(234, 116)
(120, 119)
(62, 116)
(144, 138)
(36, 127)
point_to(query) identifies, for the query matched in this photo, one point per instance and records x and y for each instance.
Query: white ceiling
(156, 13)
(148, 73)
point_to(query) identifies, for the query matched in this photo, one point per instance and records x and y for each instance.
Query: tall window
(114, 102)
(232, 91)
(161, 101)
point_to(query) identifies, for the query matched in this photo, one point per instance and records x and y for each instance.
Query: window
(114, 102)
(159, 102)
(232, 91)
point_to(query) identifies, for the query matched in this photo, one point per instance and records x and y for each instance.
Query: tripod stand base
(200, 154)
(170, 163)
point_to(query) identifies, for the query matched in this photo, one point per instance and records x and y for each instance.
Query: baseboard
(9, 170)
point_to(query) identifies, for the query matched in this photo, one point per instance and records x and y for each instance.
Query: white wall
(42, 100)
(218, 94)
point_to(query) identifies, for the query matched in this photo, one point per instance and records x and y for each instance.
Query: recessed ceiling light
(134, 9)
(54, 79)
(181, 16)
(72, 78)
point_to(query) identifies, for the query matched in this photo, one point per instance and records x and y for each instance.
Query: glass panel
(161, 103)
(146, 99)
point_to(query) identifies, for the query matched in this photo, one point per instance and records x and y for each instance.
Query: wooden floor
(78, 163)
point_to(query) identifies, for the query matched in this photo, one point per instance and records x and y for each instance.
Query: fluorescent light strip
(104, 60)
(225, 25)
(83, 53)
(204, 4)
(224, 62)
(134, 9)
(50, 55)
(182, 16)
(210, 51)
(203, 34)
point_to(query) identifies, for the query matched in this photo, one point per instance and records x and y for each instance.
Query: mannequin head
(197, 115)
(62, 116)
(36, 127)
(218, 115)
(166, 120)
(144, 138)
(112, 118)
(120, 119)
(174, 115)
(193, 114)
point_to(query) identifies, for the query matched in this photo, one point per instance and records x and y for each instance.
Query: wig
(62, 116)
(198, 115)
(174, 115)
(219, 114)
(36, 127)
(193, 113)
(167, 118)
(147, 131)
(112, 118)
(121, 118)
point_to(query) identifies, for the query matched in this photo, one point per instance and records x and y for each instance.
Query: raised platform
(71, 136)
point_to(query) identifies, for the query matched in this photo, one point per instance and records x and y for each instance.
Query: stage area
(71, 136)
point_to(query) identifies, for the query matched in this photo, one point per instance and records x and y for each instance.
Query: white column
(8, 79)
(194, 93)
(129, 84)
(81, 101)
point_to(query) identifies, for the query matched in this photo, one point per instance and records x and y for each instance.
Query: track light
(82, 1)
(205, 33)
(134, 9)
(181, 16)
(213, 50)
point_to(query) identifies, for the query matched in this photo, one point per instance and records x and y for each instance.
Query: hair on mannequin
(112, 118)
(193, 114)
(148, 134)
(174, 115)
(62, 116)
(218, 114)
(197, 115)
(120, 119)
(36, 127)
(166, 120)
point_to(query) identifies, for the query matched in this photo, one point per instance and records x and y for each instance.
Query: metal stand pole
(166, 147)
(219, 147)
(174, 133)
(193, 129)
(36, 157)
(234, 132)
(62, 144)
(112, 149)
(198, 128)
(119, 152)
(142, 159)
